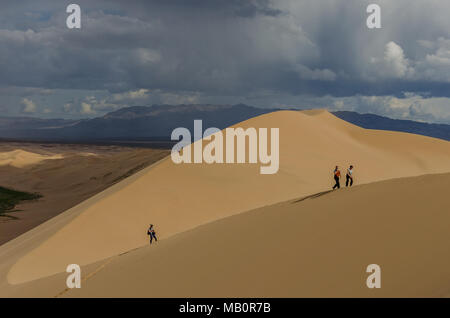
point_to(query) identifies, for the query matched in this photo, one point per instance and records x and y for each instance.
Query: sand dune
(181, 197)
(307, 247)
(319, 247)
(19, 158)
(83, 171)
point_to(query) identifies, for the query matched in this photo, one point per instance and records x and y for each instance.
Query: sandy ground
(179, 198)
(318, 246)
(64, 174)
(20, 158)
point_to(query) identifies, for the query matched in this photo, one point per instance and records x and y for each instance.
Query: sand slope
(83, 171)
(317, 247)
(314, 247)
(179, 197)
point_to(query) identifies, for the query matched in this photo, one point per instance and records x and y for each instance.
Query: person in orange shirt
(337, 177)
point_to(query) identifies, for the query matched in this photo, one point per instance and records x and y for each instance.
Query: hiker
(349, 176)
(337, 176)
(151, 232)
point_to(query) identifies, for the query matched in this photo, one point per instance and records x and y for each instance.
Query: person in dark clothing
(151, 232)
(349, 176)
(337, 177)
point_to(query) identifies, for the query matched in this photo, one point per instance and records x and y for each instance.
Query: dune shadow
(313, 196)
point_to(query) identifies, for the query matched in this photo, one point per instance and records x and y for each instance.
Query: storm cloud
(265, 53)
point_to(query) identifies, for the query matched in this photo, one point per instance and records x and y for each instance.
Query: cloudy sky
(292, 54)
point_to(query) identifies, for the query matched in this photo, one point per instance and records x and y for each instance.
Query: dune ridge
(177, 198)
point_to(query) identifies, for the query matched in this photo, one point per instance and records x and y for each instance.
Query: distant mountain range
(371, 121)
(24, 123)
(136, 123)
(155, 123)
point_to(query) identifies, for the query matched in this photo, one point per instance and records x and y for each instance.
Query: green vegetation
(10, 198)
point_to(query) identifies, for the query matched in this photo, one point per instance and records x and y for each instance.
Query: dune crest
(177, 198)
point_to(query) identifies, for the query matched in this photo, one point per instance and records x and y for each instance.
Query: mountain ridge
(156, 122)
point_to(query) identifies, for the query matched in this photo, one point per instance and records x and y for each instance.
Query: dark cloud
(225, 50)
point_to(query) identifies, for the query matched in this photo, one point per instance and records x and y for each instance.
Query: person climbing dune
(152, 233)
(349, 177)
(337, 177)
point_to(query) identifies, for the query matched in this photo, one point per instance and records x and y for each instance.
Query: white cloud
(30, 106)
(86, 109)
(396, 63)
(67, 107)
(412, 106)
(436, 65)
(433, 66)
(187, 98)
(136, 94)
